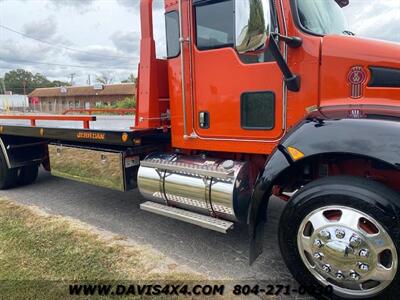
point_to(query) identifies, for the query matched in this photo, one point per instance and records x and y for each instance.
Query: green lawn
(41, 254)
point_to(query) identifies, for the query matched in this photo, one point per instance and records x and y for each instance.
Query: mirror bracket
(293, 81)
(291, 41)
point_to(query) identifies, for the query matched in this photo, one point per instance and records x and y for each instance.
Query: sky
(92, 37)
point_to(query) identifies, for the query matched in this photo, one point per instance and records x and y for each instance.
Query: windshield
(322, 16)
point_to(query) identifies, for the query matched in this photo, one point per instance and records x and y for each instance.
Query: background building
(59, 99)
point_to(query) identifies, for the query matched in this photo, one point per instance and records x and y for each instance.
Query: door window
(215, 25)
(215, 28)
(172, 27)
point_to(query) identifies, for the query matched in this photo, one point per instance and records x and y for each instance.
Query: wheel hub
(347, 249)
(340, 253)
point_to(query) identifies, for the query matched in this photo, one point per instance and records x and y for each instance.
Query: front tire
(343, 232)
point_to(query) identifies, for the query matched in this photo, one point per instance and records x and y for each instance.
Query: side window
(172, 28)
(215, 25)
(257, 110)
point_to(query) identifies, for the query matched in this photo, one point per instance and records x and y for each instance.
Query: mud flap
(256, 242)
(257, 217)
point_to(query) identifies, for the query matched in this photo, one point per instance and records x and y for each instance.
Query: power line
(62, 47)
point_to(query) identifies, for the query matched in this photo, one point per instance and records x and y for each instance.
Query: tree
(24, 82)
(128, 102)
(40, 81)
(131, 79)
(58, 83)
(105, 78)
(19, 81)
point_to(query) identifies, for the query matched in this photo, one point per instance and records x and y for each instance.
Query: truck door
(236, 96)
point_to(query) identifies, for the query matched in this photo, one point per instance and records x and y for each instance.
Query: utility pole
(72, 78)
(24, 86)
(88, 81)
(3, 84)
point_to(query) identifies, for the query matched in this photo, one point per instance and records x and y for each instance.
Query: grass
(41, 254)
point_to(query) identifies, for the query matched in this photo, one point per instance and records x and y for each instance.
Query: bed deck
(100, 129)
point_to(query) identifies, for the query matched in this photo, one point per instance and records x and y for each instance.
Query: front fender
(375, 136)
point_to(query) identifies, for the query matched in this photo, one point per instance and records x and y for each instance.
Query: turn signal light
(296, 154)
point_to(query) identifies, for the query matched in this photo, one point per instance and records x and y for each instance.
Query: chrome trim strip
(210, 171)
(285, 55)
(183, 77)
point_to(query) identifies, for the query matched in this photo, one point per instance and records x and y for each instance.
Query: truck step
(202, 170)
(187, 216)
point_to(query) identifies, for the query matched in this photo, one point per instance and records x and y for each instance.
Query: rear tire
(325, 229)
(8, 177)
(27, 175)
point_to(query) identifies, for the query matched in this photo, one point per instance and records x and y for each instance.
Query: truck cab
(222, 57)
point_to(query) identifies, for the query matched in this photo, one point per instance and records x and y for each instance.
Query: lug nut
(340, 233)
(363, 253)
(355, 241)
(318, 243)
(327, 268)
(318, 255)
(363, 267)
(325, 234)
(339, 275)
(354, 275)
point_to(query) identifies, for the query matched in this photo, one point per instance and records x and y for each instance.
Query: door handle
(204, 120)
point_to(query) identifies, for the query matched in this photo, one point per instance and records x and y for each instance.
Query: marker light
(295, 153)
(124, 137)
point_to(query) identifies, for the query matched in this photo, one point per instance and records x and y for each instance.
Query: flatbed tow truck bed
(100, 150)
(108, 130)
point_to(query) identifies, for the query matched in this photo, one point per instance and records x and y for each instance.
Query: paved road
(217, 255)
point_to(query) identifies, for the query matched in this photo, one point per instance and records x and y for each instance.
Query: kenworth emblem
(356, 78)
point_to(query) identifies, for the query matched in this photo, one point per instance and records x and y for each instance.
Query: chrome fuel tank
(205, 185)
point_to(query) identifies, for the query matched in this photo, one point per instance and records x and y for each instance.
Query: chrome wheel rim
(347, 249)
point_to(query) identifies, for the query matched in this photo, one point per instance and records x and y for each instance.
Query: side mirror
(343, 3)
(253, 25)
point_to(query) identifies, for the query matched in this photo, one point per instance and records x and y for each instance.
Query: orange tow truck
(256, 98)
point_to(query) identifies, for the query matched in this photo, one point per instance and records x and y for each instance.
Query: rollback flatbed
(29, 140)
